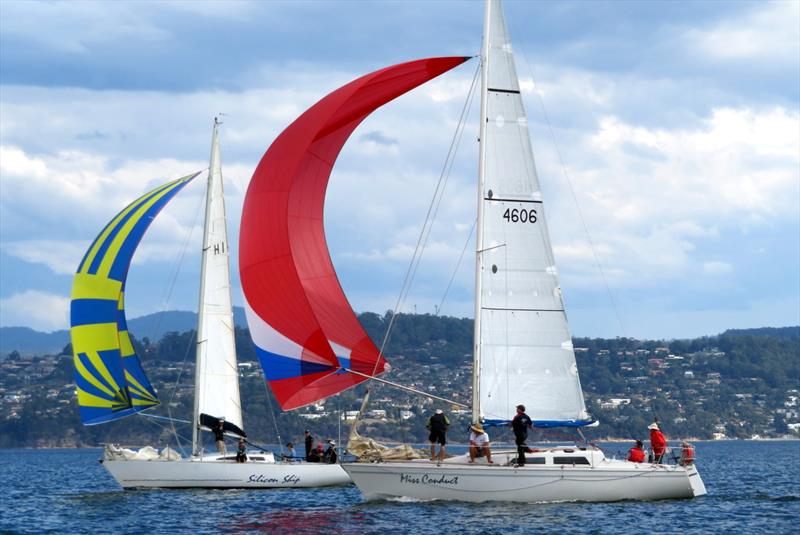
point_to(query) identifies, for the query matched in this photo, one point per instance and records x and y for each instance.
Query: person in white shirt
(479, 444)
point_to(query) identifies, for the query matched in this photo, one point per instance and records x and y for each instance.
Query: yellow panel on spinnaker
(110, 380)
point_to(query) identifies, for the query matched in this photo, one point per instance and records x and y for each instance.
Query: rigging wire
(433, 208)
(455, 271)
(574, 197)
(272, 413)
(423, 237)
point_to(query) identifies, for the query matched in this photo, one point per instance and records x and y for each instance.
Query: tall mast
(476, 361)
(213, 170)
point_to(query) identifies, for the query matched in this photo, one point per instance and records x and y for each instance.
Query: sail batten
(109, 378)
(296, 309)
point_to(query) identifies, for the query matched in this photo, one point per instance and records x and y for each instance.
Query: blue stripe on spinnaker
(94, 416)
(277, 367)
(344, 363)
(92, 311)
(101, 252)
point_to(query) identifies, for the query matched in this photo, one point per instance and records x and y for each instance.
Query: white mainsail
(216, 375)
(523, 350)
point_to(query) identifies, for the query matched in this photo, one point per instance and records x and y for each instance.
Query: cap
(439, 411)
(652, 426)
(521, 407)
(639, 443)
(332, 442)
(478, 428)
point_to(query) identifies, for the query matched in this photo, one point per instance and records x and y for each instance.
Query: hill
(28, 341)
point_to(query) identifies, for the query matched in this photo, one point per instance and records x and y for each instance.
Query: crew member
(636, 453)
(521, 423)
(479, 444)
(437, 425)
(219, 437)
(309, 445)
(658, 443)
(687, 454)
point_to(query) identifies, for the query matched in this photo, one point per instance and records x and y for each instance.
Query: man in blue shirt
(521, 423)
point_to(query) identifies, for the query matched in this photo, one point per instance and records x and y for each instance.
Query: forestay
(524, 347)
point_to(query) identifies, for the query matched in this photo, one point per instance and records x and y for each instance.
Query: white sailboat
(523, 351)
(108, 391)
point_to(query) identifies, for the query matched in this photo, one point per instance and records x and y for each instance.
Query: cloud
(61, 257)
(35, 309)
(768, 32)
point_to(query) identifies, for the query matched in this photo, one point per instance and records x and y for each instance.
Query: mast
(199, 333)
(476, 359)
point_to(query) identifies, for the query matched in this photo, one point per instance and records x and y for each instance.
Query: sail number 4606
(515, 215)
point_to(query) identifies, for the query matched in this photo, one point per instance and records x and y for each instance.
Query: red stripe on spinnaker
(285, 267)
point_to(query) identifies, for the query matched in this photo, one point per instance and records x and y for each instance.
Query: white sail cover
(217, 376)
(524, 346)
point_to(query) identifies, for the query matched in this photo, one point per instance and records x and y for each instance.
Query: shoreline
(459, 444)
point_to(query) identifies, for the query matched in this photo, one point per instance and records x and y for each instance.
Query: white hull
(603, 481)
(214, 472)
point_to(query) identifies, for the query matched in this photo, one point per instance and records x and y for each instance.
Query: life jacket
(687, 454)
(636, 455)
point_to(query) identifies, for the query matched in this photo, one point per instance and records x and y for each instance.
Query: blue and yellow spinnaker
(110, 379)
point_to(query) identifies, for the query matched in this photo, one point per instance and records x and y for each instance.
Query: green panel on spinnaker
(110, 380)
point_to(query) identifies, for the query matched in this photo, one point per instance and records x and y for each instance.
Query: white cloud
(35, 309)
(60, 256)
(769, 33)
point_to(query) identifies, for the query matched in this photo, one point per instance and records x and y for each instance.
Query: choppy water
(753, 488)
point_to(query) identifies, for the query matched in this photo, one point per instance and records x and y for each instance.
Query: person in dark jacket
(309, 445)
(636, 453)
(241, 455)
(330, 455)
(219, 437)
(520, 424)
(437, 425)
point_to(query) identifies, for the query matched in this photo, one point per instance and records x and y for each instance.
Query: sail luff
(216, 374)
(476, 360)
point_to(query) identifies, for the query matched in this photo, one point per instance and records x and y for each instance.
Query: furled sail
(216, 375)
(110, 380)
(305, 333)
(524, 348)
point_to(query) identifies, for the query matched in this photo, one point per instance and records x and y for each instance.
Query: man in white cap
(437, 425)
(658, 443)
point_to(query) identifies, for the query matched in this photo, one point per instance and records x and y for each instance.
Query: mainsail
(110, 380)
(216, 373)
(305, 332)
(524, 351)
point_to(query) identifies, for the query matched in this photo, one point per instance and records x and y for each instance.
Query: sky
(666, 137)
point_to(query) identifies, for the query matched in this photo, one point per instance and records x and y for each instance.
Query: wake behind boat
(111, 381)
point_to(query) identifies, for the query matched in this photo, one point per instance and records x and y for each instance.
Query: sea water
(752, 488)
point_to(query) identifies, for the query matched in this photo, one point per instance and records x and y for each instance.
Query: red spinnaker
(303, 327)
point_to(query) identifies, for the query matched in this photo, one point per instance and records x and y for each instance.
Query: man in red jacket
(636, 453)
(658, 443)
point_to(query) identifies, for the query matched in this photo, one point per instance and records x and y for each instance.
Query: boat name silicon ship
(428, 480)
(291, 479)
